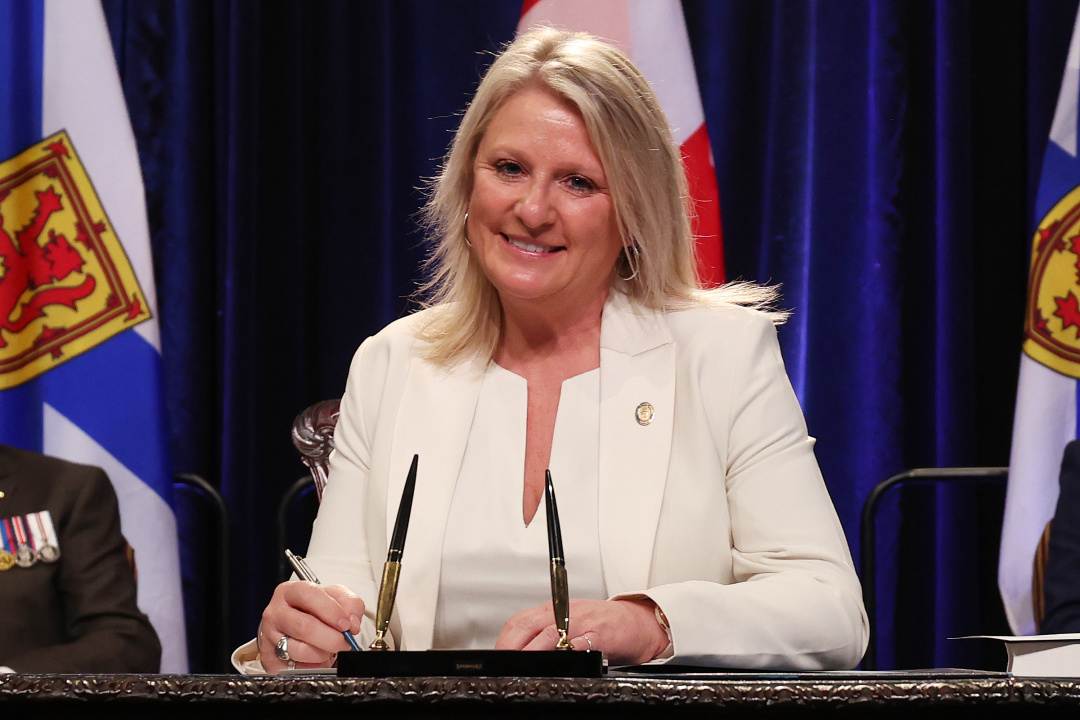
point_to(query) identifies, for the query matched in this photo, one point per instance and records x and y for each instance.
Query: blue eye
(508, 167)
(581, 184)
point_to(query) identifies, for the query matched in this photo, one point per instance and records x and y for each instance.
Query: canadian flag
(653, 34)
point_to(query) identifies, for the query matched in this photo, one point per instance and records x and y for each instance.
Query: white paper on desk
(1040, 655)
(309, 671)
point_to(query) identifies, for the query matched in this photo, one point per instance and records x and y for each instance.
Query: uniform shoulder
(18, 460)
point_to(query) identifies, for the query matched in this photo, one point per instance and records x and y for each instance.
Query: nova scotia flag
(1046, 395)
(80, 365)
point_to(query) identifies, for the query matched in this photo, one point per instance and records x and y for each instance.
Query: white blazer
(716, 509)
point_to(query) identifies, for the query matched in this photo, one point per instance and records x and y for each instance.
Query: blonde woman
(566, 331)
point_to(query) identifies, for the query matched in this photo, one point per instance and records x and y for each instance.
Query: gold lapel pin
(644, 413)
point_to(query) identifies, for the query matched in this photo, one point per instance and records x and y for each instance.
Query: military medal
(7, 559)
(48, 546)
(24, 555)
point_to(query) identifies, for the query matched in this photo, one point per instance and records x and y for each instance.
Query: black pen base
(472, 663)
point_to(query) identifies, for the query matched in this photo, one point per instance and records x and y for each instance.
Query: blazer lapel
(436, 414)
(637, 365)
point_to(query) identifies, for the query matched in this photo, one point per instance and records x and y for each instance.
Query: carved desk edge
(741, 690)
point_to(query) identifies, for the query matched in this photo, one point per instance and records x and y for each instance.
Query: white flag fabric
(1046, 395)
(80, 365)
(653, 35)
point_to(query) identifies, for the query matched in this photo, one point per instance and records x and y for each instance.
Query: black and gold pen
(392, 568)
(560, 590)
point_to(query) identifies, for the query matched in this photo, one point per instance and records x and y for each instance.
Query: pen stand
(472, 663)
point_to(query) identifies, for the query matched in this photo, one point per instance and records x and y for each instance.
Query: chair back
(313, 436)
(296, 513)
(203, 532)
(985, 488)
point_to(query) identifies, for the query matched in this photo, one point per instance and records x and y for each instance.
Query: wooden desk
(205, 697)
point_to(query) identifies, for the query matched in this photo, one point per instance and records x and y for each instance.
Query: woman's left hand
(625, 630)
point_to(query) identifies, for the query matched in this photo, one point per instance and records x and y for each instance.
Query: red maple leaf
(1068, 310)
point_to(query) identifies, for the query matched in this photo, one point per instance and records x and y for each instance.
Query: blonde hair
(645, 175)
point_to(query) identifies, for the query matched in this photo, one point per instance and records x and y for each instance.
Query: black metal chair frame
(222, 553)
(287, 500)
(868, 530)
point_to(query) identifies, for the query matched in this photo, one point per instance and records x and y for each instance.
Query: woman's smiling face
(541, 219)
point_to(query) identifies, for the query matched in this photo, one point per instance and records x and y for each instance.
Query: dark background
(879, 158)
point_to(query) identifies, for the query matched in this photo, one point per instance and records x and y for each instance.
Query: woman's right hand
(313, 617)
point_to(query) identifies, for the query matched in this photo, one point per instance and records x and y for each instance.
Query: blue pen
(305, 573)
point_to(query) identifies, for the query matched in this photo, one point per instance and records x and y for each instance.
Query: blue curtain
(877, 158)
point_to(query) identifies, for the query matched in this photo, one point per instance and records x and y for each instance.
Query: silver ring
(588, 641)
(282, 649)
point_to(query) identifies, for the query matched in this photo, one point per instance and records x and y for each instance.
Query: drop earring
(632, 255)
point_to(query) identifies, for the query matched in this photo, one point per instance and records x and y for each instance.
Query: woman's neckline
(507, 370)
